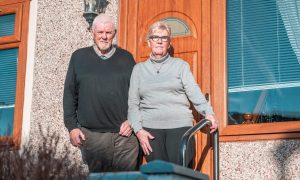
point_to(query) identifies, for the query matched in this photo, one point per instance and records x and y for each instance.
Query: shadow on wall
(283, 155)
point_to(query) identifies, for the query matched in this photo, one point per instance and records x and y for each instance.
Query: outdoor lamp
(92, 8)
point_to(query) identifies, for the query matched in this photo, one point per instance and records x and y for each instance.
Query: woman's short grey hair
(103, 18)
(158, 25)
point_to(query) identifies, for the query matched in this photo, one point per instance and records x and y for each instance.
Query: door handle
(206, 97)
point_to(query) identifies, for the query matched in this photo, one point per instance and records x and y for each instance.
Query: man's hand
(144, 137)
(214, 124)
(76, 137)
(125, 129)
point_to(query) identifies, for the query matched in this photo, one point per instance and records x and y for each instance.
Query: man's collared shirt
(104, 56)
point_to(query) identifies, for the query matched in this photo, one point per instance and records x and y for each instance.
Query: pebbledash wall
(57, 28)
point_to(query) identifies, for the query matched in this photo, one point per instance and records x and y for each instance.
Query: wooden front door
(190, 24)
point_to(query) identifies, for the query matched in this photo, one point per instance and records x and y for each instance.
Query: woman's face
(159, 42)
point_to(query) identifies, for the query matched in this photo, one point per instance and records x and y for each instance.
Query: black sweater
(96, 90)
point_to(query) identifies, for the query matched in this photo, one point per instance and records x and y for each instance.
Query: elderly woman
(161, 89)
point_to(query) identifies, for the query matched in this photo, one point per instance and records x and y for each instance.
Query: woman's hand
(144, 137)
(214, 123)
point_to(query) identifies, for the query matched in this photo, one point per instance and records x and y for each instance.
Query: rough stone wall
(260, 160)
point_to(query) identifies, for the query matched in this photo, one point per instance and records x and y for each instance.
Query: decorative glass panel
(178, 27)
(263, 69)
(7, 24)
(8, 76)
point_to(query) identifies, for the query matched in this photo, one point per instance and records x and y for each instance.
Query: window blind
(7, 24)
(8, 75)
(259, 52)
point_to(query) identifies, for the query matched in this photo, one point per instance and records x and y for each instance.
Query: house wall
(260, 160)
(57, 28)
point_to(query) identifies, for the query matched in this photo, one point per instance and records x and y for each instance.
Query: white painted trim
(29, 72)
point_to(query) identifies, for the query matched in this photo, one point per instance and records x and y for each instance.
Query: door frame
(212, 39)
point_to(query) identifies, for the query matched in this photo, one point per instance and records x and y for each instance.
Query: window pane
(263, 69)
(7, 24)
(263, 106)
(6, 120)
(178, 26)
(8, 76)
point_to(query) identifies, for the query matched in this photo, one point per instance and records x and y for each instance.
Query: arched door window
(178, 26)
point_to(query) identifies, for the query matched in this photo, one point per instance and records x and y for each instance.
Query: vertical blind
(259, 52)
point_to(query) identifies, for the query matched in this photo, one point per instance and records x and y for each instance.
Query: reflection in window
(263, 69)
(178, 27)
(6, 119)
(263, 106)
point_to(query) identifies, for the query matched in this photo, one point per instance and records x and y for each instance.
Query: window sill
(263, 131)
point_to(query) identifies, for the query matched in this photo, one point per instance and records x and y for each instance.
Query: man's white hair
(104, 19)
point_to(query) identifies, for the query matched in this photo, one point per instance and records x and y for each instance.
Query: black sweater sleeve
(70, 97)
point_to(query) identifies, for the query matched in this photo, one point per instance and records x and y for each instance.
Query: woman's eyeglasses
(162, 38)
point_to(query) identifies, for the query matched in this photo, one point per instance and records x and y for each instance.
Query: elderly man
(95, 102)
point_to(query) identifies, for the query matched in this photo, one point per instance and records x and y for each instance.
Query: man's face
(103, 35)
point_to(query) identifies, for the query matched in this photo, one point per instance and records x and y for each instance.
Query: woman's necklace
(158, 65)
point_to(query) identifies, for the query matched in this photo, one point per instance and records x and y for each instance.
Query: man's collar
(107, 55)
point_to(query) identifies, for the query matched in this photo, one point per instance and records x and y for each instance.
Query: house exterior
(258, 140)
